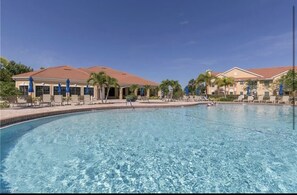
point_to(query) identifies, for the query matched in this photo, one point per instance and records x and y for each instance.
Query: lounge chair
(191, 98)
(249, 99)
(46, 99)
(204, 98)
(75, 100)
(271, 100)
(58, 99)
(284, 100)
(22, 101)
(239, 99)
(197, 98)
(185, 98)
(87, 99)
(260, 99)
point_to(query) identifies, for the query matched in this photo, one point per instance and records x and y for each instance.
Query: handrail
(130, 103)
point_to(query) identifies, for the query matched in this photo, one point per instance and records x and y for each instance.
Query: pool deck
(19, 114)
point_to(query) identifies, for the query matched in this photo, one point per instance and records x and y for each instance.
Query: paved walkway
(18, 114)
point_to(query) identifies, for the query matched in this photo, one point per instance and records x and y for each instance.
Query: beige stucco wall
(238, 87)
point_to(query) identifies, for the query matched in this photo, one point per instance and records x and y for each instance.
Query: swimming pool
(224, 148)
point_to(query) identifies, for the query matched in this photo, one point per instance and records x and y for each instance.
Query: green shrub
(131, 97)
(154, 98)
(4, 104)
(229, 98)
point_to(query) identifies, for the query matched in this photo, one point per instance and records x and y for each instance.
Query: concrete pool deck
(19, 114)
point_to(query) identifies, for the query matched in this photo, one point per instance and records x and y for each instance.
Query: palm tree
(98, 79)
(132, 88)
(192, 86)
(109, 83)
(225, 81)
(176, 87)
(164, 87)
(205, 78)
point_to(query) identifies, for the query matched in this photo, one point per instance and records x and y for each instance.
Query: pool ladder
(130, 104)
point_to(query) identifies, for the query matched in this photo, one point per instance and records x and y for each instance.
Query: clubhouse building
(46, 81)
(262, 80)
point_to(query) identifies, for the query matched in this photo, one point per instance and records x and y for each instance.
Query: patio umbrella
(281, 89)
(87, 90)
(67, 86)
(197, 91)
(142, 91)
(59, 89)
(248, 90)
(30, 90)
(187, 90)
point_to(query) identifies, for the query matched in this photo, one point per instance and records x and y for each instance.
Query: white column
(148, 93)
(159, 93)
(121, 93)
(96, 95)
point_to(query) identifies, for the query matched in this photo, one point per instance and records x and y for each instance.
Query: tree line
(9, 68)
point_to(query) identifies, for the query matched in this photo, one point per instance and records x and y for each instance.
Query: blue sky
(155, 39)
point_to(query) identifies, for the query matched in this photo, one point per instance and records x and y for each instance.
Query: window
(111, 92)
(74, 90)
(63, 91)
(266, 83)
(231, 93)
(40, 90)
(241, 82)
(241, 93)
(124, 91)
(266, 93)
(24, 90)
(91, 91)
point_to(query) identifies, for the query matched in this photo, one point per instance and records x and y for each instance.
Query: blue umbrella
(67, 86)
(281, 89)
(187, 90)
(30, 85)
(59, 89)
(87, 90)
(248, 90)
(142, 91)
(197, 91)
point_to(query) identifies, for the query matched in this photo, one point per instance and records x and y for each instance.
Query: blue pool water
(226, 148)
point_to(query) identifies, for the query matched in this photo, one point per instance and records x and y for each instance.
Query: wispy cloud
(269, 45)
(185, 22)
(192, 42)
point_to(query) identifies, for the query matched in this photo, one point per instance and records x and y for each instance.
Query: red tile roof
(270, 72)
(82, 75)
(266, 73)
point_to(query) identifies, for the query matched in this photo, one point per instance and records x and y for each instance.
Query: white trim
(280, 74)
(223, 73)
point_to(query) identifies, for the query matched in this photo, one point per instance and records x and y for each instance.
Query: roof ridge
(271, 67)
(42, 70)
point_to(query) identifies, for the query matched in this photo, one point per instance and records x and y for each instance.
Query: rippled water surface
(226, 148)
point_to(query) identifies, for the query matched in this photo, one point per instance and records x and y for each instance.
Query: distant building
(46, 81)
(262, 80)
